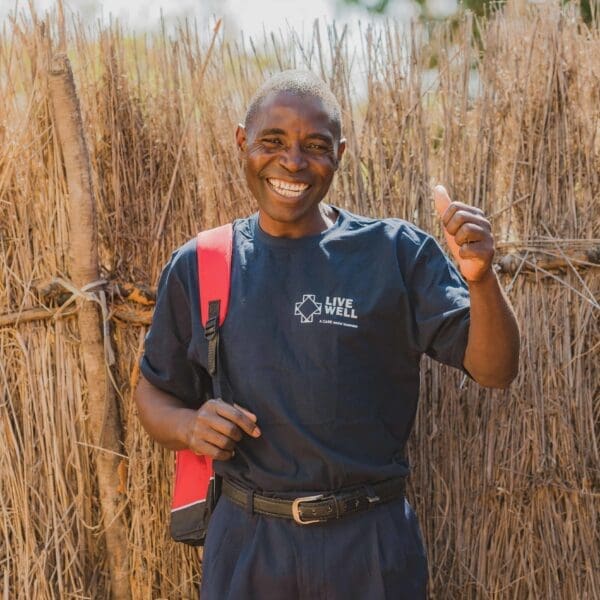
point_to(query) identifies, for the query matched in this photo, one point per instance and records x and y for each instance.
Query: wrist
(184, 427)
(489, 276)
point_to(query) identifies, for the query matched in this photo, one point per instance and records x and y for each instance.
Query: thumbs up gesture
(468, 233)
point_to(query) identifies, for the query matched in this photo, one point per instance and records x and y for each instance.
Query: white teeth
(285, 188)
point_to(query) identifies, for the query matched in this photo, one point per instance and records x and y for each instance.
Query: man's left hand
(469, 235)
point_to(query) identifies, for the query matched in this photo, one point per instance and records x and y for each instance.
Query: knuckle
(201, 421)
(207, 408)
(457, 221)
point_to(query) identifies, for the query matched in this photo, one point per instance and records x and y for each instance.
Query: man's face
(290, 153)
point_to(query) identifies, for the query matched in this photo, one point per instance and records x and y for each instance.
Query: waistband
(317, 508)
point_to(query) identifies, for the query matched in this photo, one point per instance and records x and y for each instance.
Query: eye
(272, 142)
(314, 147)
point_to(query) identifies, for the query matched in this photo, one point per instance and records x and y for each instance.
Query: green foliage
(371, 6)
(589, 8)
(482, 7)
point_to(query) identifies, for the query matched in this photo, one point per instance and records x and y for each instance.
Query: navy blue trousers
(376, 554)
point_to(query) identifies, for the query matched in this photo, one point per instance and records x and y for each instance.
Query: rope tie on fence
(100, 298)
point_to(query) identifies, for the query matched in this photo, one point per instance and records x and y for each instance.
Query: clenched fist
(468, 233)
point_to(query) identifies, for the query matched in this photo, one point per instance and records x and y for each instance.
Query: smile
(286, 188)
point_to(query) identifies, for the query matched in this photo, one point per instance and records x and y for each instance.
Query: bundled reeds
(506, 113)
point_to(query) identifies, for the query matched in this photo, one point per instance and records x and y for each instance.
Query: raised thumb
(442, 201)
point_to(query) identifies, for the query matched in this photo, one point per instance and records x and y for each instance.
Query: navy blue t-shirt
(322, 342)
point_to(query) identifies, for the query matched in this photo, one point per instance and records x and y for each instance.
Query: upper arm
(439, 299)
(167, 362)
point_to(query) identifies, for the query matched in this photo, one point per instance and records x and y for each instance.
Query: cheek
(256, 161)
(327, 162)
(326, 169)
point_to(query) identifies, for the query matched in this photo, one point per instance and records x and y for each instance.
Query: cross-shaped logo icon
(307, 308)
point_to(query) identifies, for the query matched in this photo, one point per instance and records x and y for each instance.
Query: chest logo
(329, 312)
(307, 308)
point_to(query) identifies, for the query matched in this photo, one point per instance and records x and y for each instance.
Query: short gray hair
(300, 83)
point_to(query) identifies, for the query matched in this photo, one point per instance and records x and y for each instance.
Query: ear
(341, 149)
(240, 137)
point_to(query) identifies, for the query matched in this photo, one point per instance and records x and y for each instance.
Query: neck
(321, 221)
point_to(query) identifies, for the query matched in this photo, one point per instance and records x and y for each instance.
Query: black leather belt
(320, 507)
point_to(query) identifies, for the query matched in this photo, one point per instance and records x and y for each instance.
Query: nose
(292, 159)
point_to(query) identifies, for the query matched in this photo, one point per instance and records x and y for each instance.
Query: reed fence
(505, 112)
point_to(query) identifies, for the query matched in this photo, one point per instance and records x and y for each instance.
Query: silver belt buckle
(296, 509)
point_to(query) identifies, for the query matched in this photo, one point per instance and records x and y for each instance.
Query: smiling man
(329, 315)
(292, 146)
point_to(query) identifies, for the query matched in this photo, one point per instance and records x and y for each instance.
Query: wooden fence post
(104, 423)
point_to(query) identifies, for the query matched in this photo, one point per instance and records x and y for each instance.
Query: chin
(286, 212)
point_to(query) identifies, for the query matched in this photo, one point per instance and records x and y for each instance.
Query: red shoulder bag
(196, 487)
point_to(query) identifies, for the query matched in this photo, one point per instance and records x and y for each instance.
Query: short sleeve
(166, 362)
(440, 304)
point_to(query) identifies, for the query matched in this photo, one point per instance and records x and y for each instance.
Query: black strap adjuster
(211, 333)
(210, 329)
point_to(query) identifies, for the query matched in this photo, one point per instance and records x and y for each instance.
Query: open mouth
(286, 188)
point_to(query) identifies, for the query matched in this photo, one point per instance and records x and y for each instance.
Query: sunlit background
(252, 16)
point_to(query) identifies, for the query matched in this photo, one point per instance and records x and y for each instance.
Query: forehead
(293, 113)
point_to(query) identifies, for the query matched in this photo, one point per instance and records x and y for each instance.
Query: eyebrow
(277, 131)
(273, 131)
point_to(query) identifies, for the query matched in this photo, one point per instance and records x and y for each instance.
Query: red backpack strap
(194, 485)
(213, 250)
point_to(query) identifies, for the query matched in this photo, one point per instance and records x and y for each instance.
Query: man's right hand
(217, 427)
(212, 430)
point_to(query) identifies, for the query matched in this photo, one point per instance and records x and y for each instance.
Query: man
(329, 316)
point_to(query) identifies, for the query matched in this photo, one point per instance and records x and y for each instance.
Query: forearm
(162, 415)
(492, 354)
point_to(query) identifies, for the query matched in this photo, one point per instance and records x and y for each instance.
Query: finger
(476, 250)
(250, 415)
(226, 428)
(239, 418)
(462, 216)
(207, 449)
(218, 439)
(458, 205)
(442, 202)
(470, 232)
